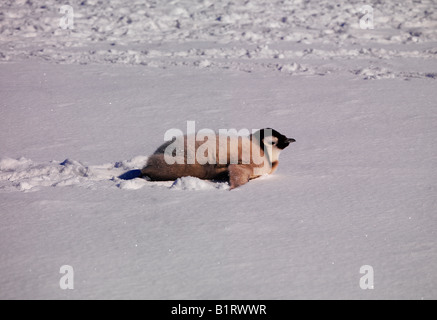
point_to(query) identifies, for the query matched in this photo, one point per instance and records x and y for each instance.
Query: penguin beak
(286, 142)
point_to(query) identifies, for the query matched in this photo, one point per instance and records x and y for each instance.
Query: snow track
(27, 176)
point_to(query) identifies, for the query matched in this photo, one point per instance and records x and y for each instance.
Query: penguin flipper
(239, 175)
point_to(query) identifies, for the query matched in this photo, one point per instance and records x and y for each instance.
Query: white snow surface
(81, 109)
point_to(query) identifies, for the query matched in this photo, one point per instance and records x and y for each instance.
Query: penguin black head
(271, 137)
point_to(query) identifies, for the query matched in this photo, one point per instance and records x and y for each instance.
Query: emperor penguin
(234, 158)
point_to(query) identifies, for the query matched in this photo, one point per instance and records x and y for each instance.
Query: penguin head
(272, 142)
(272, 138)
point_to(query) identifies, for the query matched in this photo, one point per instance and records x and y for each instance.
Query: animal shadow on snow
(133, 174)
(130, 175)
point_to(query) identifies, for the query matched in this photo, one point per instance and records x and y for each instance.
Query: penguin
(233, 158)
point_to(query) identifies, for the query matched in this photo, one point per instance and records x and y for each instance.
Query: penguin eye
(270, 142)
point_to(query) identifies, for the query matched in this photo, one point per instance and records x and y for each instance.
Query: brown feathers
(238, 158)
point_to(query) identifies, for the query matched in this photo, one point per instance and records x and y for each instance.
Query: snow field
(357, 188)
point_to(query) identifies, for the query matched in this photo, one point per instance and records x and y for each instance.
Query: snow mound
(135, 184)
(293, 68)
(191, 183)
(137, 162)
(372, 73)
(8, 164)
(26, 175)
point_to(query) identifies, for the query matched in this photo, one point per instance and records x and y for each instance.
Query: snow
(81, 110)
(192, 183)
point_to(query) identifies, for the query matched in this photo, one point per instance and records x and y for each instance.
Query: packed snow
(82, 108)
